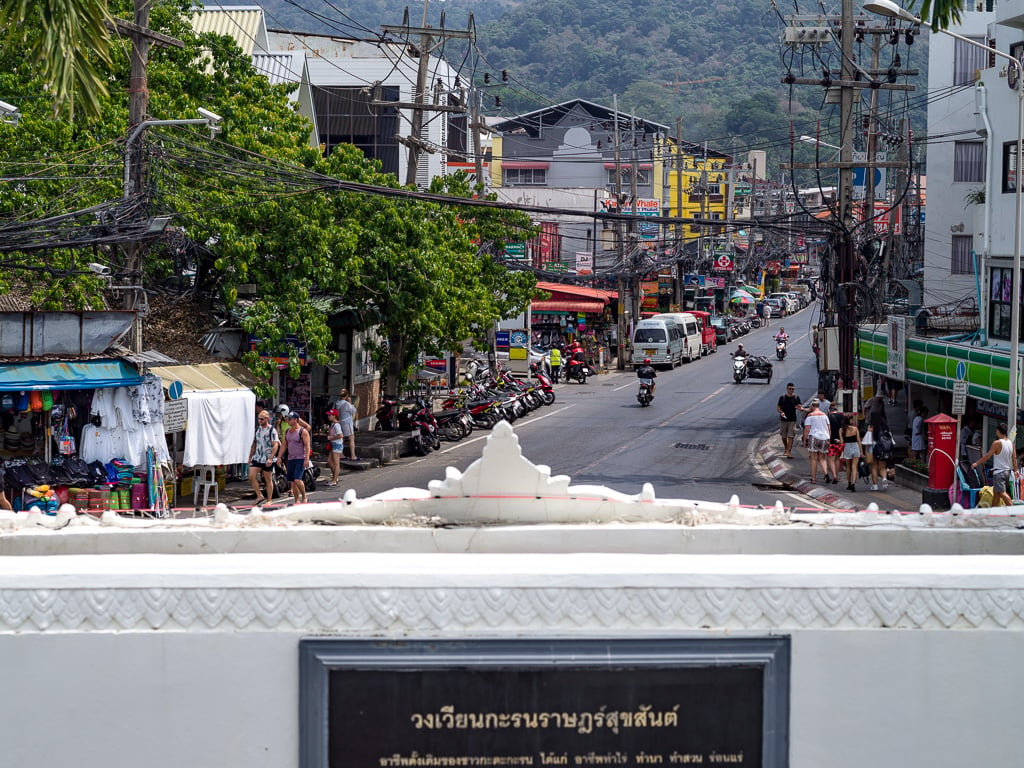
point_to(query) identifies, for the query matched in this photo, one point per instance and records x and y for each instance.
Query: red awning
(526, 164)
(566, 291)
(563, 305)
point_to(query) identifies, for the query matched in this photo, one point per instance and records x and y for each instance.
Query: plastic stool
(205, 480)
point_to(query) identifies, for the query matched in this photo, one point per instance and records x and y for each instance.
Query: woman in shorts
(852, 450)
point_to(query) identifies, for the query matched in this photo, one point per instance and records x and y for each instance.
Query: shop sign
(175, 415)
(436, 364)
(714, 282)
(897, 352)
(584, 263)
(696, 281)
(281, 357)
(556, 266)
(501, 339)
(515, 250)
(723, 262)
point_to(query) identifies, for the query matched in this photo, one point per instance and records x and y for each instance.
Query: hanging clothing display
(115, 431)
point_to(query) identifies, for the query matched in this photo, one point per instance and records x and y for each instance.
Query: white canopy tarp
(220, 427)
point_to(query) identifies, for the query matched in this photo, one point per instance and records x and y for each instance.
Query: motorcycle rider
(782, 335)
(740, 352)
(646, 374)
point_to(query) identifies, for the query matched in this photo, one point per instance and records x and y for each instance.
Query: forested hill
(718, 64)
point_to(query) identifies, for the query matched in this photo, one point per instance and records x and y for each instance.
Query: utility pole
(680, 288)
(621, 361)
(138, 105)
(633, 235)
(840, 303)
(428, 38)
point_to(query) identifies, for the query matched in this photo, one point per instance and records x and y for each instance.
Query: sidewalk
(795, 473)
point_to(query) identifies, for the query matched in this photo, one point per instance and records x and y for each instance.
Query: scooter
(739, 368)
(578, 371)
(644, 396)
(780, 349)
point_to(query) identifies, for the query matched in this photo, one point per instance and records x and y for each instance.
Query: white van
(659, 339)
(689, 328)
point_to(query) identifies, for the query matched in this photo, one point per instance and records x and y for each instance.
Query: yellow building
(697, 179)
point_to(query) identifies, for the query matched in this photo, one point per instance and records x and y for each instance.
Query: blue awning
(80, 374)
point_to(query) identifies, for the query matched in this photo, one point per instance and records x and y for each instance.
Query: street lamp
(818, 142)
(209, 118)
(890, 9)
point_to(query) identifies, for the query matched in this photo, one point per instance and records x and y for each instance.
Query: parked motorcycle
(644, 396)
(780, 349)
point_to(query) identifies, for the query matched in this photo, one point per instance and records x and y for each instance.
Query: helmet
(647, 361)
(533, 367)
(282, 409)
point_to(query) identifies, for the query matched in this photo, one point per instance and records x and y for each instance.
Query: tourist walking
(852, 450)
(347, 418)
(297, 454)
(262, 455)
(1004, 464)
(816, 438)
(787, 407)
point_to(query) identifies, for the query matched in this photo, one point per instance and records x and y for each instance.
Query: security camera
(211, 117)
(9, 113)
(99, 269)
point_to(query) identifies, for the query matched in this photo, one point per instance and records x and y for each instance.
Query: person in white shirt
(1004, 463)
(817, 433)
(346, 417)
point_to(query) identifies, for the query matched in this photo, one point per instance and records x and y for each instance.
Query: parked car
(797, 298)
(779, 308)
(723, 333)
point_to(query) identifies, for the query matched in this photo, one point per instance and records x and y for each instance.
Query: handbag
(66, 441)
(869, 438)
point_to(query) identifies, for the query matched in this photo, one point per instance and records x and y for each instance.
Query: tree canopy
(255, 205)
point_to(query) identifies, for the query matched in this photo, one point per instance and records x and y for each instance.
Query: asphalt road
(697, 440)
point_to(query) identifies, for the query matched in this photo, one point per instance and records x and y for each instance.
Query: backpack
(884, 446)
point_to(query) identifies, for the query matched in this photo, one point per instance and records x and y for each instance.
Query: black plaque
(545, 704)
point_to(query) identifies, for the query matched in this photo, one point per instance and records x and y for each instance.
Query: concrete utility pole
(680, 288)
(429, 39)
(840, 308)
(619, 230)
(138, 105)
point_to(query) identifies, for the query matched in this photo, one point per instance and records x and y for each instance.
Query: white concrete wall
(172, 660)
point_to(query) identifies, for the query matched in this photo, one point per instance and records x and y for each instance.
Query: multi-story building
(971, 243)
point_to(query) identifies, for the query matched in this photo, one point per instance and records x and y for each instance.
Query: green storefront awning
(79, 374)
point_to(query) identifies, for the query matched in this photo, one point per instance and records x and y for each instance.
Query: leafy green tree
(68, 42)
(256, 205)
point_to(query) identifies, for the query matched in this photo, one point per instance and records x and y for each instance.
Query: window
(962, 260)
(969, 161)
(525, 177)
(968, 58)
(999, 305)
(1010, 166)
(643, 176)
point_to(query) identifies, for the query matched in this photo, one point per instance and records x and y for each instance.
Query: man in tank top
(1004, 463)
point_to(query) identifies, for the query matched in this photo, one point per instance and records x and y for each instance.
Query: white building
(956, 162)
(998, 120)
(347, 88)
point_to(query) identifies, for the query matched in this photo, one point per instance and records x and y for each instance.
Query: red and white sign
(723, 263)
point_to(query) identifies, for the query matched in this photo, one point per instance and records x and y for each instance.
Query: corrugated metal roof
(244, 23)
(280, 67)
